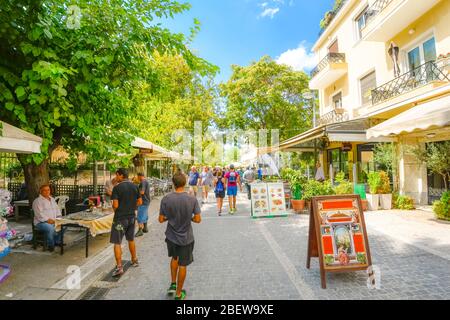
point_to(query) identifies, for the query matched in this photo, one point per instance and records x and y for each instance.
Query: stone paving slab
(236, 257)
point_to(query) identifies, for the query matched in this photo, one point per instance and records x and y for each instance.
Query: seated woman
(46, 211)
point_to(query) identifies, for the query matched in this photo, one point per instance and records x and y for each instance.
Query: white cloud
(300, 58)
(269, 12)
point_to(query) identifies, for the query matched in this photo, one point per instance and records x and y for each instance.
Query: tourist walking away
(206, 180)
(142, 216)
(179, 209)
(46, 211)
(125, 197)
(194, 176)
(260, 174)
(219, 190)
(249, 178)
(232, 181)
(320, 175)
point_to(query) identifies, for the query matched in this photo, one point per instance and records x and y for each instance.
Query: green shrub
(313, 188)
(385, 183)
(374, 181)
(344, 186)
(442, 207)
(403, 202)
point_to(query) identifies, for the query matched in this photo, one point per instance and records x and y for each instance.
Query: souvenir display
(5, 233)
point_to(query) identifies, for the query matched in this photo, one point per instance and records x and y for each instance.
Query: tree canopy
(69, 73)
(266, 95)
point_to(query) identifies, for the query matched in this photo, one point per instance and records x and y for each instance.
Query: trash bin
(360, 188)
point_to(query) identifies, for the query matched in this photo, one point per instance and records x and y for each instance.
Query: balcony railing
(377, 7)
(418, 77)
(335, 116)
(331, 57)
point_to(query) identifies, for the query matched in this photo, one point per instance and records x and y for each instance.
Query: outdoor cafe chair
(61, 201)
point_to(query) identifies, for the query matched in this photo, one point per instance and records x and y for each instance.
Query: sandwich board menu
(337, 235)
(267, 199)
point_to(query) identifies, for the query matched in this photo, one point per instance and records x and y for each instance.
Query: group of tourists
(130, 202)
(224, 181)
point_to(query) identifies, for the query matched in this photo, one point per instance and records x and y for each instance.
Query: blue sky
(241, 31)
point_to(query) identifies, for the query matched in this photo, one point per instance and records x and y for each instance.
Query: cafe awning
(426, 116)
(346, 131)
(155, 152)
(15, 140)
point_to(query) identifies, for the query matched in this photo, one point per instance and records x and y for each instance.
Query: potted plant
(385, 191)
(315, 188)
(374, 181)
(296, 182)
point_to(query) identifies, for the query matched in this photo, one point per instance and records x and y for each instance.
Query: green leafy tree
(266, 95)
(436, 155)
(68, 74)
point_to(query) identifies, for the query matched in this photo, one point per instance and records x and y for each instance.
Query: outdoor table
(95, 227)
(17, 204)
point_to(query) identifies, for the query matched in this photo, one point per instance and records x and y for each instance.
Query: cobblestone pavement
(241, 258)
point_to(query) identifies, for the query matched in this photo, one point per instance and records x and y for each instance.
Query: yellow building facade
(379, 59)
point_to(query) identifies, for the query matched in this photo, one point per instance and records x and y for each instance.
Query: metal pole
(95, 178)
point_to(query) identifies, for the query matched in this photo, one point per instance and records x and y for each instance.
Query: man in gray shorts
(179, 209)
(126, 198)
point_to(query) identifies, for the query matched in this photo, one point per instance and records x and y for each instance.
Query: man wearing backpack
(219, 190)
(232, 181)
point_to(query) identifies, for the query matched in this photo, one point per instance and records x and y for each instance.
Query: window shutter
(367, 83)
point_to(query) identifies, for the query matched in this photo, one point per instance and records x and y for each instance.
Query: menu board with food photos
(267, 199)
(260, 200)
(277, 203)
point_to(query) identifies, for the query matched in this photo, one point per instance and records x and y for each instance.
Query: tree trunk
(35, 177)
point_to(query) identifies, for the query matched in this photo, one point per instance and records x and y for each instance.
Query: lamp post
(310, 96)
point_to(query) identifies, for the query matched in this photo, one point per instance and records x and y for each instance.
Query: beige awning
(16, 140)
(155, 152)
(426, 116)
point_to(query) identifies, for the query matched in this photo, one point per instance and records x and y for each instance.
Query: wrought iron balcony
(335, 116)
(375, 9)
(329, 59)
(428, 72)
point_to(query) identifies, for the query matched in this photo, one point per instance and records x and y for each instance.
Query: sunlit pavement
(236, 257)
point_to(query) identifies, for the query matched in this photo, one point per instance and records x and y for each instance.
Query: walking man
(249, 178)
(142, 216)
(179, 209)
(232, 179)
(125, 197)
(193, 181)
(206, 179)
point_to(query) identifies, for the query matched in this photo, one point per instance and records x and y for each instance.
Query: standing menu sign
(267, 199)
(337, 235)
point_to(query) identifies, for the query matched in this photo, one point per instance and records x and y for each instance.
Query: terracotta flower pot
(365, 205)
(298, 205)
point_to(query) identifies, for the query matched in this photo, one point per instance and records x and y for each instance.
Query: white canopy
(16, 140)
(156, 152)
(429, 115)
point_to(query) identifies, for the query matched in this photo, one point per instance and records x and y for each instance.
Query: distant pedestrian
(260, 174)
(249, 178)
(194, 177)
(142, 216)
(320, 175)
(219, 190)
(125, 197)
(179, 209)
(206, 180)
(233, 180)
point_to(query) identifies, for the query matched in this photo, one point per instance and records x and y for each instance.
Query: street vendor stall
(12, 140)
(95, 222)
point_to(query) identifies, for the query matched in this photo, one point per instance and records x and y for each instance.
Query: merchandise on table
(5, 233)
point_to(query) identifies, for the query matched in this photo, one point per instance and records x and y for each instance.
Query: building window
(337, 101)
(424, 52)
(339, 161)
(367, 84)
(361, 22)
